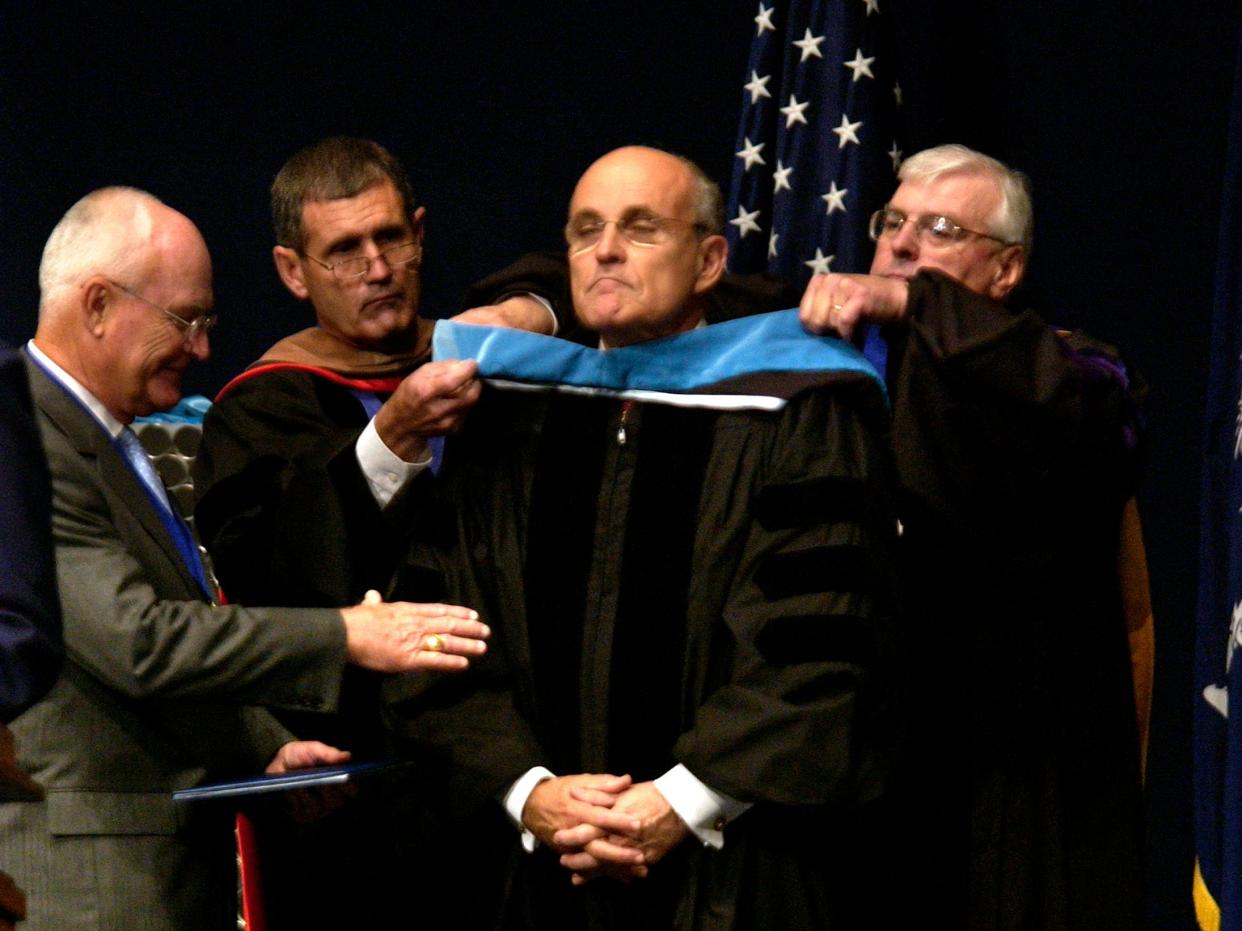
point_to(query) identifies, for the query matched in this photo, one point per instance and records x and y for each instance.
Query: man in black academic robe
(1016, 452)
(311, 467)
(688, 710)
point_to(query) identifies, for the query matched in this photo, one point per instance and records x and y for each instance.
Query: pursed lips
(384, 299)
(606, 279)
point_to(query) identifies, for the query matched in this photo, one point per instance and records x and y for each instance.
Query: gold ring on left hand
(434, 643)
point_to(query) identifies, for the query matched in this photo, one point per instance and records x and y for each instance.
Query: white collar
(111, 425)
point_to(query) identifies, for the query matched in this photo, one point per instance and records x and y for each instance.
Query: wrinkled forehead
(375, 209)
(970, 199)
(623, 184)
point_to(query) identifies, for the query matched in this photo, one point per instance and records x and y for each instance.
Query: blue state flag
(1218, 662)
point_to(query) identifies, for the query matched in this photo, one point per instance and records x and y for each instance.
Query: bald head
(116, 269)
(706, 201)
(644, 245)
(114, 231)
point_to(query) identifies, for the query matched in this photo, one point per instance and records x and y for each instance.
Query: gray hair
(332, 169)
(1013, 221)
(103, 233)
(708, 202)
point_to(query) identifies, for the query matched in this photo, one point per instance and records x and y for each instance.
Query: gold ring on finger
(434, 643)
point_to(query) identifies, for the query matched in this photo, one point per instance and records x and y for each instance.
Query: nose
(379, 269)
(200, 345)
(905, 242)
(611, 244)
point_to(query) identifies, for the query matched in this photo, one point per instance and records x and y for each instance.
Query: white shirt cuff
(515, 800)
(386, 472)
(705, 811)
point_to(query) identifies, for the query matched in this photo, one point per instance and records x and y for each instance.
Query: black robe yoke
(676, 586)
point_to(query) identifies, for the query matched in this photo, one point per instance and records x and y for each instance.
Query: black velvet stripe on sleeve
(818, 501)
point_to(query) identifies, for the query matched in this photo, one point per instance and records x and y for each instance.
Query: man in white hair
(157, 679)
(1014, 449)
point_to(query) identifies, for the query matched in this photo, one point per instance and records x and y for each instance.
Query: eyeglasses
(641, 229)
(934, 231)
(357, 266)
(201, 323)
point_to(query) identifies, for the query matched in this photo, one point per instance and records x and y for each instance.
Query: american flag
(1218, 662)
(817, 148)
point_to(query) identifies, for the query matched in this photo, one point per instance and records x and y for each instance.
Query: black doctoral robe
(674, 586)
(289, 519)
(1016, 448)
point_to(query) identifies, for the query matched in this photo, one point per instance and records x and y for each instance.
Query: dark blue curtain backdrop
(1117, 110)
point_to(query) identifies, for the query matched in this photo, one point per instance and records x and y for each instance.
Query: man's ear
(713, 252)
(1010, 267)
(289, 267)
(93, 301)
(417, 226)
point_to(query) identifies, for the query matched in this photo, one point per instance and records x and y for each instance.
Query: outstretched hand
(401, 636)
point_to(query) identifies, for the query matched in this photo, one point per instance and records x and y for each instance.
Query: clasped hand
(603, 825)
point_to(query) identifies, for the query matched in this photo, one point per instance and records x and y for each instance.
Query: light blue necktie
(136, 456)
(140, 462)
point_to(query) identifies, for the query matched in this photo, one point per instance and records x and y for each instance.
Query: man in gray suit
(160, 683)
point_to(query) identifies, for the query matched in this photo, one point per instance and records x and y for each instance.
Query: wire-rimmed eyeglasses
(357, 266)
(934, 230)
(200, 323)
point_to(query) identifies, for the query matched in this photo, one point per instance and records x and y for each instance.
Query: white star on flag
(758, 86)
(835, 198)
(750, 153)
(873, 6)
(809, 45)
(846, 132)
(745, 221)
(764, 19)
(895, 154)
(860, 66)
(780, 178)
(772, 244)
(794, 111)
(821, 264)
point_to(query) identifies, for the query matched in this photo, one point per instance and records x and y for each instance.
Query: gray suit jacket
(154, 697)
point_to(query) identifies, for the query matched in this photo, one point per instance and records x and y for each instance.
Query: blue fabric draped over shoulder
(719, 362)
